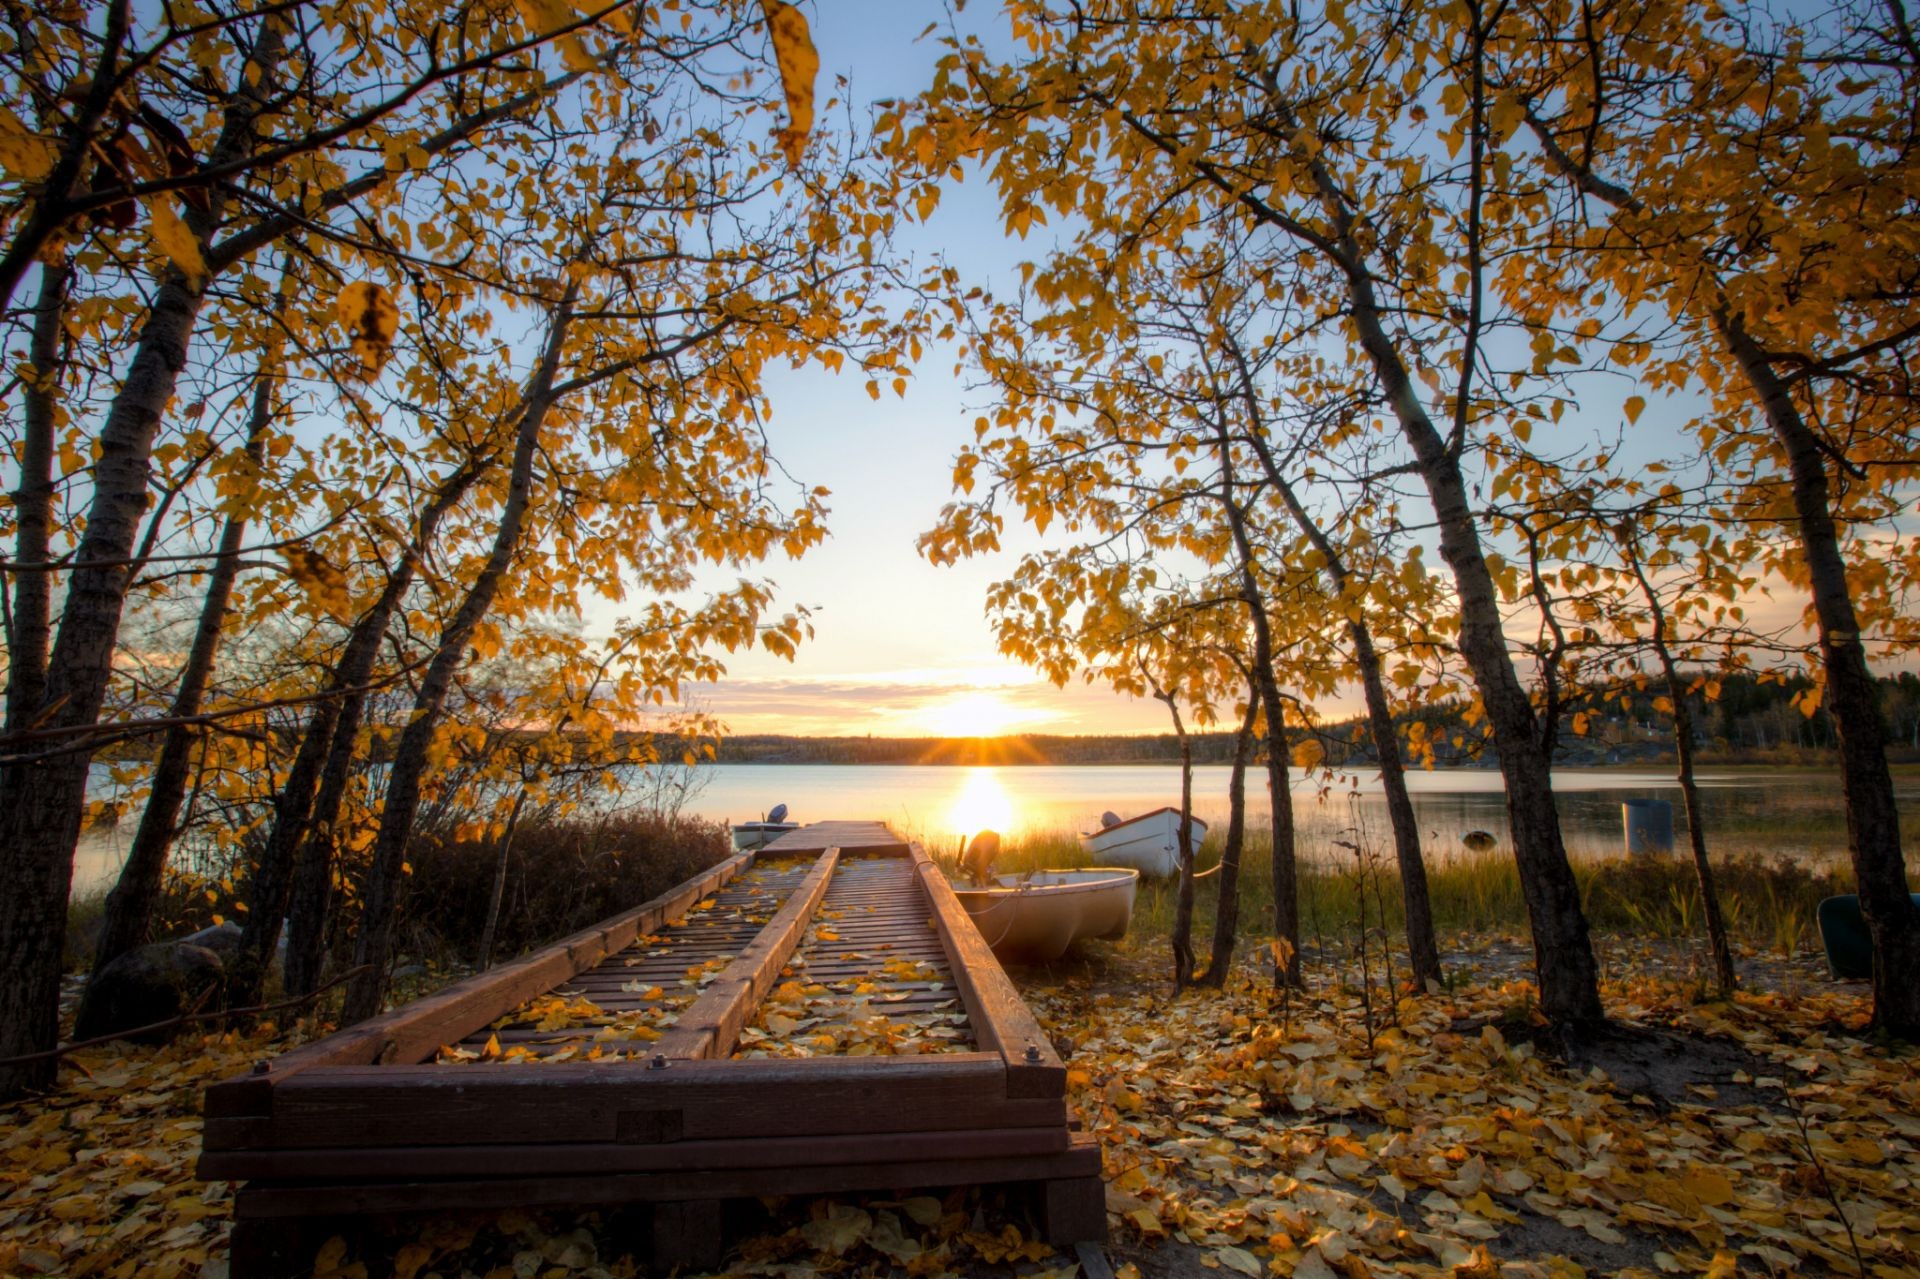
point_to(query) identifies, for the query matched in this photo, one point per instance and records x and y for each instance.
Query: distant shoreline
(1021, 750)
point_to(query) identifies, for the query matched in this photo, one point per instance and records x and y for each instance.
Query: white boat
(1149, 843)
(1037, 916)
(751, 835)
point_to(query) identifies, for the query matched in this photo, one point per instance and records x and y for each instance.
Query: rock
(223, 939)
(149, 984)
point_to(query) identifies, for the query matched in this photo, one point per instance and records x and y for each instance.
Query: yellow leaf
(325, 585)
(175, 240)
(1724, 1265)
(543, 16)
(1241, 1260)
(1634, 405)
(24, 154)
(410, 1259)
(799, 64)
(370, 316)
(1709, 1187)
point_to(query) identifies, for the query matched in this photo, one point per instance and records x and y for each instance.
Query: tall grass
(1769, 902)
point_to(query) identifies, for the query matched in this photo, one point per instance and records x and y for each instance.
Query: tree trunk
(485, 959)
(1183, 958)
(1423, 951)
(1873, 817)
(130, 906)
(1562, 948)
(42, 801)
(1286, 891)
(1226, 907)
(30, 625)
(373, 946)
(1683, 754)
(293, 875)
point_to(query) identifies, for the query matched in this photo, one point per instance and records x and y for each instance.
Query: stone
(149, 984)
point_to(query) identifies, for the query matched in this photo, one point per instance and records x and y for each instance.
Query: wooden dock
(816, 1017)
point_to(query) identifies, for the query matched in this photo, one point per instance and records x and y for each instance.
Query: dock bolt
(261, 1067)
(659, 1061)
(1033, 1053)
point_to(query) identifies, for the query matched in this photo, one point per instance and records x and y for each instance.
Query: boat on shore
(1036, 916)
(748, 836)
(1149, 843)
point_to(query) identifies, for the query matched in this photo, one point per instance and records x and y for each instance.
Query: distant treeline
(1752, 720)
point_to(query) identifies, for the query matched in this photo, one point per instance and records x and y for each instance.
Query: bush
(562, 875)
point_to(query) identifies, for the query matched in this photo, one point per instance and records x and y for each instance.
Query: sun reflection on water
(981, 803)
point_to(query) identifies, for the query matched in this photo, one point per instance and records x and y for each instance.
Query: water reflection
(980, 803)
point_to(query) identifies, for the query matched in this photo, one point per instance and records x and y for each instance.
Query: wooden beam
(408, 1163)
(1080, 1161)
(563, 1102)
(712, 1024)
(1002, 1022)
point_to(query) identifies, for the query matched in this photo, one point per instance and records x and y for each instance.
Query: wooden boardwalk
(820, 1016)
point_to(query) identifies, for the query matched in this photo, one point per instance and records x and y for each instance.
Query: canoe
(748, 836)
(1148, 843)
(1037, 916)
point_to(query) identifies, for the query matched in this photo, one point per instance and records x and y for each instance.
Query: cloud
(907, 703)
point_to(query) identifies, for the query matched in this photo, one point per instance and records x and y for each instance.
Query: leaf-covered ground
(1242, 1133)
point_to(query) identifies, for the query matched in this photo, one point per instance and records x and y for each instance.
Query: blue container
(1648, 824)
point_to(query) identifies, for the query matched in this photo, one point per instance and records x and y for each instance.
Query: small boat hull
(1036, 917)
(1149, 843)
(748, 836)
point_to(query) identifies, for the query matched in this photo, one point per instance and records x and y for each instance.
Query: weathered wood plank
(1002, 1022)
(1079, 1161)
(584, 1101)
(849, 837)
(711, 1025)
(380, 1164)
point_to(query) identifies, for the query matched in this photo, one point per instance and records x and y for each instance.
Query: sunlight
(982, 804)
(973, 714)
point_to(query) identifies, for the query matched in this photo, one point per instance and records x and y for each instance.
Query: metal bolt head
(1033, 1053)
(262, 1066)
(659, 1061)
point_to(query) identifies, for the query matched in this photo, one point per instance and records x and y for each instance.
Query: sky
(900, 647)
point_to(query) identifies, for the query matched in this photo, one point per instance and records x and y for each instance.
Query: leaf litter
(1240, 1132)
(551, 1027)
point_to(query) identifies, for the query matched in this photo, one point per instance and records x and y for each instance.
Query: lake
(1793, 812)
(1787, 810)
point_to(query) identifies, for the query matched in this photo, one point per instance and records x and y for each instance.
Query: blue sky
(900, 647)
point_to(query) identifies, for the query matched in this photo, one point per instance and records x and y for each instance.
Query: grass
(1769, 902)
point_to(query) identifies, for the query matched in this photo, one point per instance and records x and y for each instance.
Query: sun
(973, 714)
(981, 803)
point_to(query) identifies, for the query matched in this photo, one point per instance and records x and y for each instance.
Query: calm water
(1791, 812)
(1788, 811)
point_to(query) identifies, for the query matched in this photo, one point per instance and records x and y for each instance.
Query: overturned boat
(1149, 843)
(748, 836)
(1036, 916)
